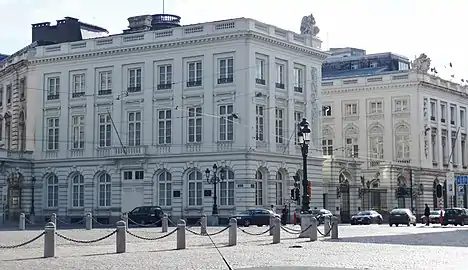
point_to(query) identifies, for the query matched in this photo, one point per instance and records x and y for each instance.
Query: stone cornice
(368, 88)
(16, 66)
(177, 44)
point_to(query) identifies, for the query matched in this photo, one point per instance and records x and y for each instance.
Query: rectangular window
(260, 71)
(195, 125)
(105, 130)
(259, 123)
(78, 132)
(279, 125)
(351, 109)
(79, 84)
(297, 120)
(134, 128)
(400, 105)
(327, 147)
(133, 175)
(280, 76)
(195, 74)
(445, 150)
(433, 110)
(226, 123)
(226, 192)
(375, 107)
(258, 193)
(298, 80)
(52, 133)
(8, 94)
(134, 80)
(226, 70)
(443, 112)
(1, 95)
(53, 88)
(435, 152)
(105, 83)
(279, 193)
(22, 87)
(463, 150)
(326, 110)
(352, 147)
(165, 77)
(164, 127)
(453, 115)
(462, 117)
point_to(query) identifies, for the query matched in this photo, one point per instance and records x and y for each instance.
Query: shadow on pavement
(457, 238)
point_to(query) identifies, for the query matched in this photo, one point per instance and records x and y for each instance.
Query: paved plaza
(359, 247)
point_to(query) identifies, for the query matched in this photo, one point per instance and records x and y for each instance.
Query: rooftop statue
(308, 26)
(422, 63)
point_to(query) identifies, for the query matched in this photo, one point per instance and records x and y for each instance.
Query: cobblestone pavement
(359, 247)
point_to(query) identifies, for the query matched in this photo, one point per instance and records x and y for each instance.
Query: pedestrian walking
(284, 215)
(427, 213)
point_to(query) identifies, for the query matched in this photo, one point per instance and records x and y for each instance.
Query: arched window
(351, 142)
(52, 191)
(195, 188)
(105, 190)
(258, 188)
(402, 142)
(165, 188)
(279, 188)
(226, 190)
(376, 148)
(77, 190)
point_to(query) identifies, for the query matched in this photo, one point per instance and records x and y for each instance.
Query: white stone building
(387, 131)
(136, 119)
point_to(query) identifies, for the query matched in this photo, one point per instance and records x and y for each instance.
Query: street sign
(462, 180)
(461, 190)
(450, 190)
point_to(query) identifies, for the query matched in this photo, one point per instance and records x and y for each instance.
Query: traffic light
(439, 189)
(298, 195)
(296, 179)
(293, 194)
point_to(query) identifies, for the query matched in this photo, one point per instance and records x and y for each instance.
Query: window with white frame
(105, 83)
(453, 115)
(195, 188)
(326, 110)
(258, 188)
(402, 142)
(8, 132)
(351, 109)
(78, 132)
(279, 125)
(400, 105)
(327, 147)
(195, 73)
(434, 144)
(226, 70)
(134, 128)
(53, 88)
(375, 107)
(195, 124)
(165, 77)
(8, 94)
(52, 190)
(79, 84)
(462, 117)
(77, 190)
(279, 188)
(297, 120)
(105, 190)
(52, 133)
(105, 130)
(165, 188)
(259, 123)
(351, 142)
(226, 122)
(463, 149)
(443, 112)
(445, 148)
(260, 71)
(226, 189)
(164, 127)
(279, 76)
(133, 175)
(134, 80)
(376, 146)
(298, 79)
(454, 155)
(433, 110)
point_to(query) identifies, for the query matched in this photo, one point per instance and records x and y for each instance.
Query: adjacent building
(137, 118)
(390, 133)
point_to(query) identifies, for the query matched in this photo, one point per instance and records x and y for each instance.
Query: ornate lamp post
(214, 177)
(33, 180)
(304, 140)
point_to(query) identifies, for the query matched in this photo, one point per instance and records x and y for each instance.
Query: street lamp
(213, 178)
(33, 180)
(304, 140)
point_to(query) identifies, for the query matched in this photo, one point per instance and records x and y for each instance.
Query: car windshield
(364, 213)
(244, 213)
(453, 211)
(435, 213)
(398, 212)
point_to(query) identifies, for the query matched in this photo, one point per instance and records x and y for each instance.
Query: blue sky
(407, 27)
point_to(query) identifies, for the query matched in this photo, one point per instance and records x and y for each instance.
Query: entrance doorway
(13, 206)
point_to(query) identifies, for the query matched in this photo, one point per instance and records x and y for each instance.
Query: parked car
(257, 217)
(434, 217)
(366, 217)
(146, 215)
(318, 214)
(401, 216)
(455, 216)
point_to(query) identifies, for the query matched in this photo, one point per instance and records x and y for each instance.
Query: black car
(456, 216)
(401, 216)
(366, 217)
(257, 217)
(146, 215)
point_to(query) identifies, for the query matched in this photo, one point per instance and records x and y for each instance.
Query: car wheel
(409, 224)
(397, 225)
(379, 221)
(390, 224)
(246, 223)
(414, 224)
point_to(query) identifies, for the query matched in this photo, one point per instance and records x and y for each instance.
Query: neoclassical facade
(136, 119)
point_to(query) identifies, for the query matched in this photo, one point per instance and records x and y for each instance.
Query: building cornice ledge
(367, 88)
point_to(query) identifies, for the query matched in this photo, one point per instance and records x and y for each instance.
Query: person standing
(427, 213)
(284, 215)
